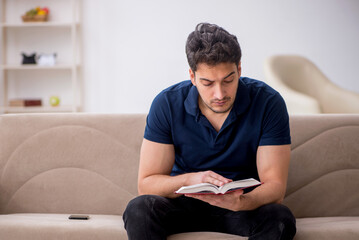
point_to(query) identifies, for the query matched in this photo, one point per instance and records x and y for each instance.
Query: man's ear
(192, 76)
(239, 69)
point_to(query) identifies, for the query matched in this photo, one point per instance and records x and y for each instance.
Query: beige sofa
(53, 165)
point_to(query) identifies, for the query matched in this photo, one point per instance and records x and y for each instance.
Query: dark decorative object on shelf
(28, 59)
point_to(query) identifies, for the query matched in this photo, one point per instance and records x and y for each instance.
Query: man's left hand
(230, 201)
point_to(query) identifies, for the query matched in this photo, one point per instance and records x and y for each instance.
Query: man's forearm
(262, 195)
(162, 185)
(165, 185)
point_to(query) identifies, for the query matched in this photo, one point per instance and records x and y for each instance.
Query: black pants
(154, 217)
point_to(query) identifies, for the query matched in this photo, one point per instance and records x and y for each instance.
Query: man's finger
(218, 179)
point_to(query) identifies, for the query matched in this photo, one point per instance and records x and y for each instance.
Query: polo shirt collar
(240, 105)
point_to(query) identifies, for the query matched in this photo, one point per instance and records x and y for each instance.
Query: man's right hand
(206, 177)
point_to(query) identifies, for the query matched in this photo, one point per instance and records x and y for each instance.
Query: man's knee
(280, 217)
(143, 217)
(142, 207)
(138, 206)
(276, 211)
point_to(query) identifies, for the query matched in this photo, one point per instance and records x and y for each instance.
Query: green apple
(54, 101)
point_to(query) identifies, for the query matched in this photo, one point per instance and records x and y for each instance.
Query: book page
(197, 188)
(239, 184)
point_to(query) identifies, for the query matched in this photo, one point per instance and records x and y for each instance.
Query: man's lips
(220, 102)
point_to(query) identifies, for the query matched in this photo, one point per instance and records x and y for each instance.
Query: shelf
(38, 24)
(37, 67)
(61, 34)
(36, 109)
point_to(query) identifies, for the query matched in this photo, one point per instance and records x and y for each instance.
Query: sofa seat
(321, 228)
(58, 226)
(327, 228)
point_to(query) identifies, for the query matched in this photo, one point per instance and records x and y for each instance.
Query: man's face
(216, 85)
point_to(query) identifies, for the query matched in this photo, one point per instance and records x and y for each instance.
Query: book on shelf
(25, 103)
(208, 188)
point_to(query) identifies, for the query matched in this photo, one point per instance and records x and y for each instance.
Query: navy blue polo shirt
(258, 117)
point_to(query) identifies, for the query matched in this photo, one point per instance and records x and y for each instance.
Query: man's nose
(219, 92)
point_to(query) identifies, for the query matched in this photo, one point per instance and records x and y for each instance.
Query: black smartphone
(79, 217)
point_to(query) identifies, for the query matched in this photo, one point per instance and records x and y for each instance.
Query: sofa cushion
(58, 226)
(327, 228)
(324, 228)
(63, 163)
(324, 167)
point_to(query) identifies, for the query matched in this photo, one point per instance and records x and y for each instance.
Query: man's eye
(207, 84)
(228, 81)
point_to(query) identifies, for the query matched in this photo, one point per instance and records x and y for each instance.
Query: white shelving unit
(60, 35)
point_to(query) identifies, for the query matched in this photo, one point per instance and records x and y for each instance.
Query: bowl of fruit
(36, 15)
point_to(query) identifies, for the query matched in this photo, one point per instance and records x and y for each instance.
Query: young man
(216, 128)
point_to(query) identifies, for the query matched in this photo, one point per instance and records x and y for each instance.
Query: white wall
(135, 48)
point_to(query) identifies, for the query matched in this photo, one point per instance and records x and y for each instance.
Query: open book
(208, 188)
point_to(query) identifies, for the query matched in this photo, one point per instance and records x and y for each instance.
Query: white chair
(305, 89)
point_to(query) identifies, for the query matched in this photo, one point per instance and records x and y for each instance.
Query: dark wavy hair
(211, 44)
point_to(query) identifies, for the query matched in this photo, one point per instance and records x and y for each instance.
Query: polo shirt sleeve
(275, 127)
(158, 127)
